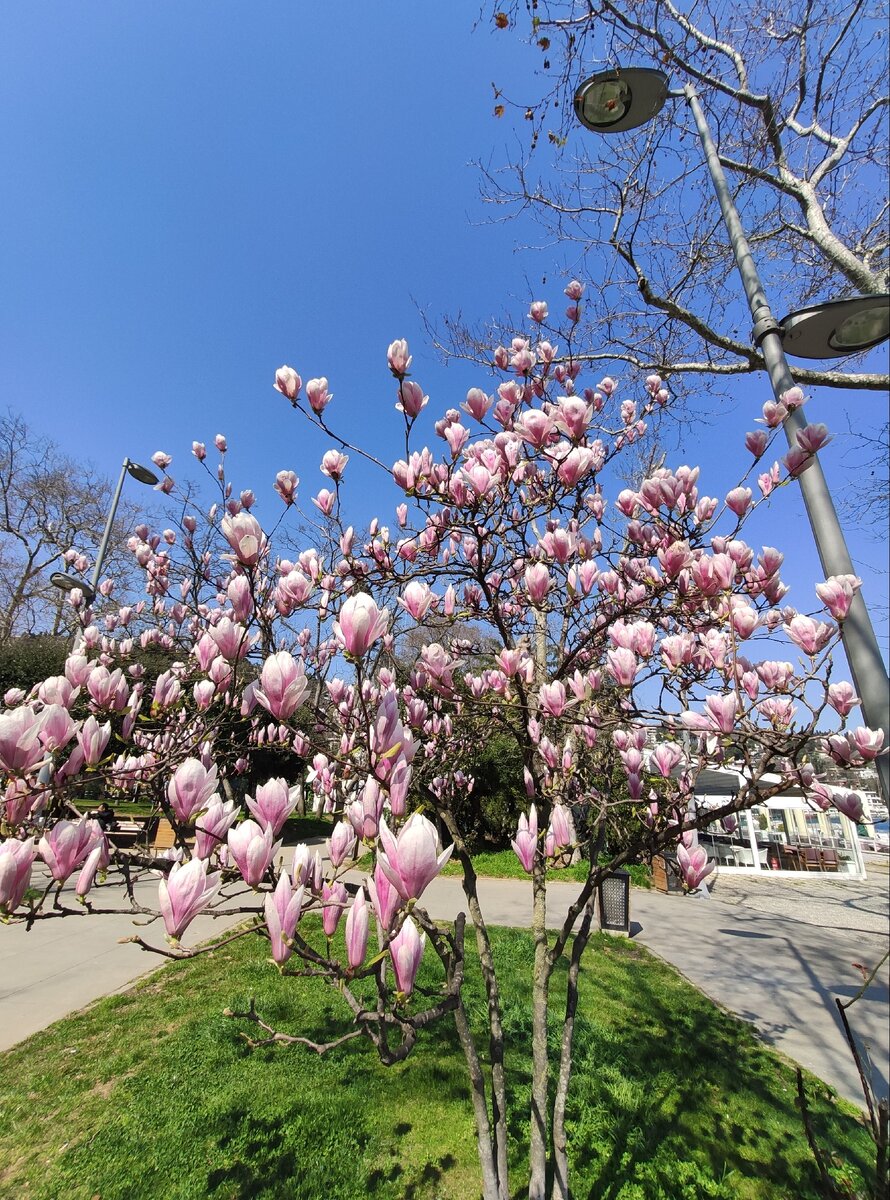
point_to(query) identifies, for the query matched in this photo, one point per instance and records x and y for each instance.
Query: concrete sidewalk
(780, 974)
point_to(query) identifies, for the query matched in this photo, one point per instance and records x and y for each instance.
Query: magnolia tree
(624, 642)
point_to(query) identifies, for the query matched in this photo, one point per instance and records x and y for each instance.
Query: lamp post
(618, 100)
(68, 583)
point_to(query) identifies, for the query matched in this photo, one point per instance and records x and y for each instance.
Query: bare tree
(49, 505)
(797, 97)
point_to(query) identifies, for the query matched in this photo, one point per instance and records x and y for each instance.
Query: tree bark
(560, 1148)
(484, 1140)
(540, 1068)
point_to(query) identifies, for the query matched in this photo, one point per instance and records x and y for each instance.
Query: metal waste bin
(613, 894)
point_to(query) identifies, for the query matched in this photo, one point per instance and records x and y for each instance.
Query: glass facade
(792, 838)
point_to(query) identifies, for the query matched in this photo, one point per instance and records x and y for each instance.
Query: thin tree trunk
(495, 1023)
(560, 1148)
(484, 1139)
(540, 1074)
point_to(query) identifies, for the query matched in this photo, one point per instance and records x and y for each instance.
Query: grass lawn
(503, 864)
(153, 1094)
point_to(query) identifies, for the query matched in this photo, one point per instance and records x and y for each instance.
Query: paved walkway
(777, 971)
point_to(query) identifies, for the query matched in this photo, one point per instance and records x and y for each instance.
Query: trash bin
(613, 894)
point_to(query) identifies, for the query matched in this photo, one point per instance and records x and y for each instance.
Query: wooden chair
(830, 860)
(789, 858)
(812, 860)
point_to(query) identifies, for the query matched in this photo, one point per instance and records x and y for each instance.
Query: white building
(785, 836)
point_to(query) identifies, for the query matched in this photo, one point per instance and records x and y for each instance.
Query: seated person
(104, 814)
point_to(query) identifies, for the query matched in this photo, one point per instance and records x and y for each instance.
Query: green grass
(503, 864)
(153, 1094)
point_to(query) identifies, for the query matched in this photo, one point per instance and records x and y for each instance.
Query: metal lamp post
(68, 583)
(618, 100)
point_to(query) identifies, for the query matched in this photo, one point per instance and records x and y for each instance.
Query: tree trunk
(492, 991)
(484, 1140)
(540, 1074)
(560, 1149)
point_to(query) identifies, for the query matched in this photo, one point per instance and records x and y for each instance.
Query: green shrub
(27, 660)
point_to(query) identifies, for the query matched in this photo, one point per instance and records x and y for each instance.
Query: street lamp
(68, 583)
(837, 327)
(617, 100)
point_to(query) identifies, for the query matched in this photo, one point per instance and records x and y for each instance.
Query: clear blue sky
(192, 195)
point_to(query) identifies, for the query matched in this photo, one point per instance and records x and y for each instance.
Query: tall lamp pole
(68, 583)
(614, 101)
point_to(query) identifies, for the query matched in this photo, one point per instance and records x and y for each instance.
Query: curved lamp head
(68, 583)
(142, 474)
(614, 101)
(837, 328)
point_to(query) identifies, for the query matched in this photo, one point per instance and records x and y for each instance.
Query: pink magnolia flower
(325, 501)
(357, 922)
(406, 951)
(739, 500)
(230, 638)
(56, 727)
(364, 813)
(57, 689)
(842, 698)
(665, 757)
(186, 891)
(273, 804)
(813, 438)
(477, 404)
(416, 599)
(560, 831)
(360, 625)
(342, 843)
(333, 900)
(410, 861)
(67, 844)
(253, 850)
(695, 865)
(318, 395)
(288, 382)
(837, 593)
(333, 464)
(16, 861)
(756, 442)
(812, 636)
(245, 535)
(867, 741)
(526, 840)
(97, 860)
(213, 825)
(398, 357)
(622, 665)
(286, 483)
(537, 582)
(107, 689)
(538, 311)
(190, 789)
(411, 399)
(552, 698)
(385, 900)
(848, 803)
(283, 909)
(93, 739)
(534, 427)
(283, 685)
